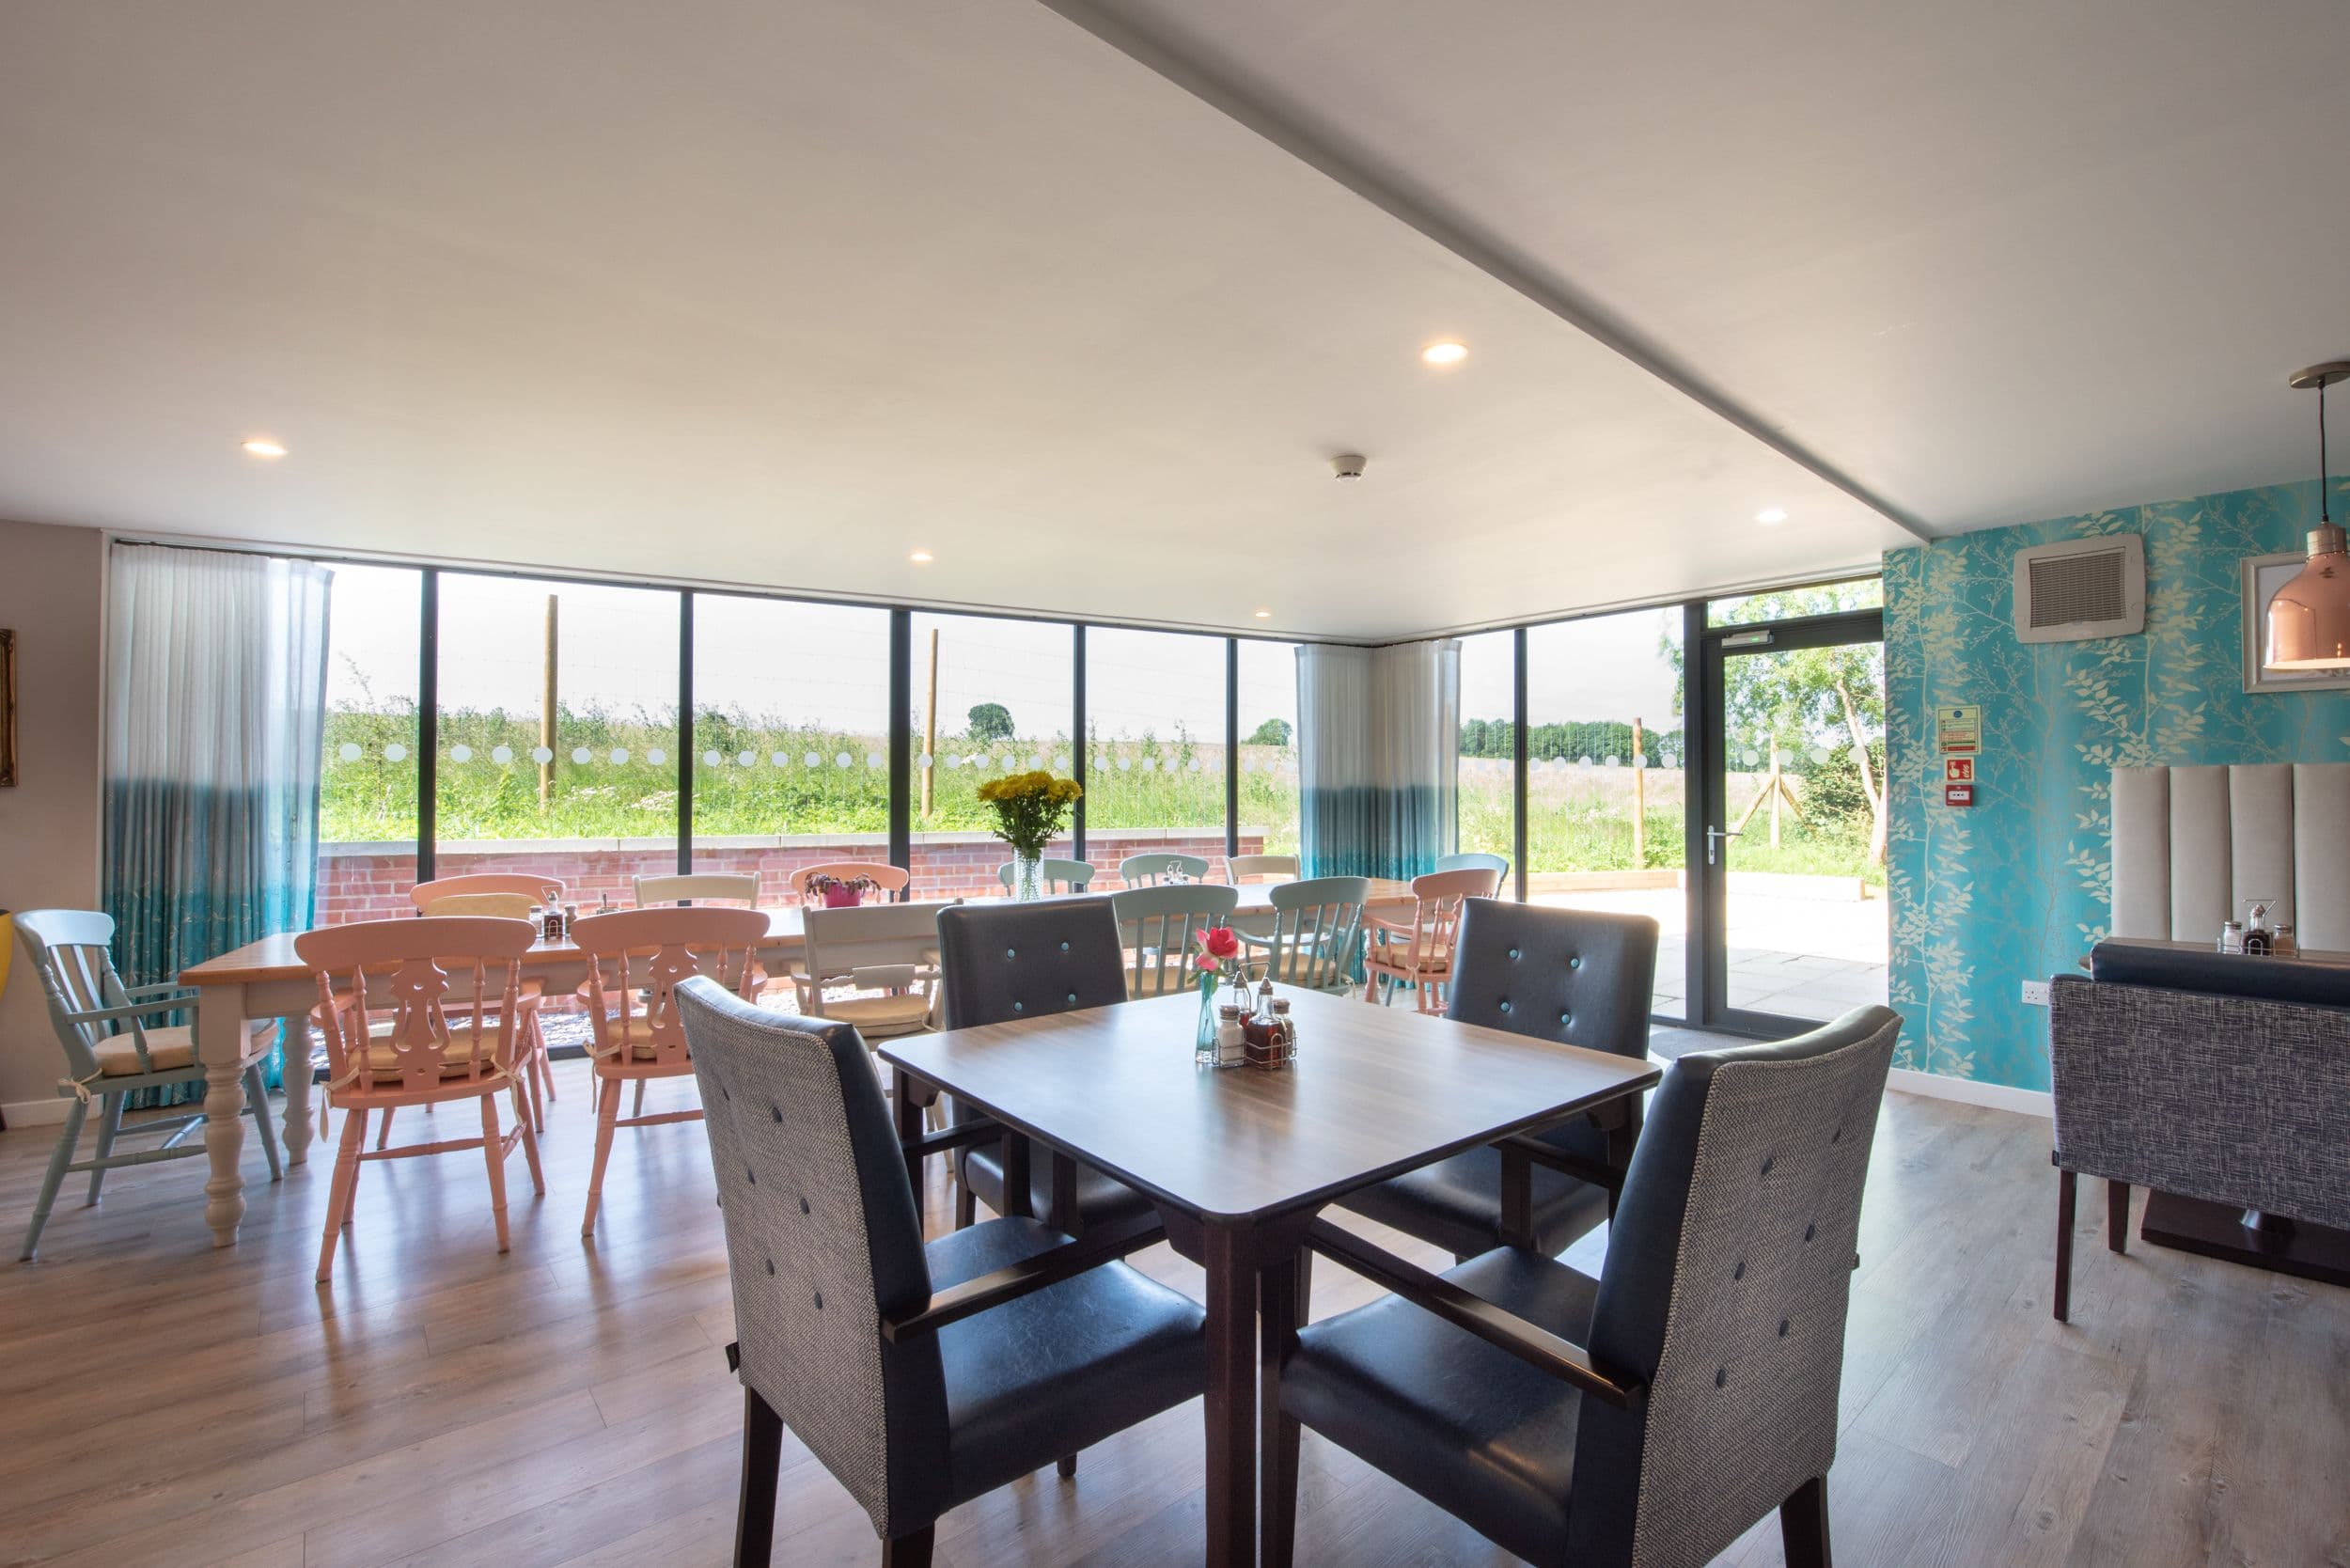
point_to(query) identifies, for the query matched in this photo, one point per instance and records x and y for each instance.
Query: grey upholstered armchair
(1575, 976)
(1654, 1414)
(920, 1378)
(2204, 1076)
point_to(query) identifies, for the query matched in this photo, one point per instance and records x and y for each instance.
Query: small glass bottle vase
(1028, 877)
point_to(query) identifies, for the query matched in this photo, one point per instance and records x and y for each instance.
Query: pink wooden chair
(1419, 952)
(635, 958)
(511, 894)
(538, 889)
(891, 880)
(417, 1012)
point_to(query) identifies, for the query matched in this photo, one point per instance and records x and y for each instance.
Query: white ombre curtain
(1379, 737)
(215, 706)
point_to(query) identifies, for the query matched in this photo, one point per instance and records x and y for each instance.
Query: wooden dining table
(265, 981)
(1238, 1162)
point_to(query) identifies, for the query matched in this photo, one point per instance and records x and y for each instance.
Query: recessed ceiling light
(1445, 354)
(1264, 615)
(920, 558)
(1771, 514)
(262, 446)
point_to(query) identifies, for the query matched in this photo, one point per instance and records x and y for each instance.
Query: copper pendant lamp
(2309, 619)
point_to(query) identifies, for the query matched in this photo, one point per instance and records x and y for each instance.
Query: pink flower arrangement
(1217, 947)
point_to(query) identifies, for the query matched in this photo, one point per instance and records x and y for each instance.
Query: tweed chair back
(1005, 961)
(1575, 976)
(822, 1240)
(1157, 926)
(636, 958)
(449, 984)
(1728, 1276)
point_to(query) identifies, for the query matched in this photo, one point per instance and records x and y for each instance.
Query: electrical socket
(2036, 993)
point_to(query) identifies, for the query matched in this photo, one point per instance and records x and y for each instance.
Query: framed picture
(2263, 576)
(7, 708)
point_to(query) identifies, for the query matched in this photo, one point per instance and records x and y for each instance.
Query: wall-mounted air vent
(2083, 587)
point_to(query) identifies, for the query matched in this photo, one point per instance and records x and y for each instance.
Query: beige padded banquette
(2191, 846)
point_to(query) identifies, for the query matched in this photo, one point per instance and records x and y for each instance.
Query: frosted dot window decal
(925, 759)
(395, 753)
(501, 755)
(842, 759)
(814, 759)
(747, 759)
(780, 758)
(872, 758)
(581, 756)
(348, 751)
(711, 759)
(1613, 761)
(655, 756)
(542, 754)
(1125, 764)
(619, 755)
(1150, 764)
(1061, 763)
(460, 752)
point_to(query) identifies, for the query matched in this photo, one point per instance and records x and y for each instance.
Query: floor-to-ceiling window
(558, 731)
(791, 736)
(1266, 695)
(373, 740)
(991, 697)
(1154, 747)
(1605, 798)
(1489, 739)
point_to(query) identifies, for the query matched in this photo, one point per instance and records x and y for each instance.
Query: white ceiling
(773, 294)
(1994, 261)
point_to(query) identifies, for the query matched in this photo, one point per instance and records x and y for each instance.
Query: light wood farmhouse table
(264, 980)
(1239, 1162)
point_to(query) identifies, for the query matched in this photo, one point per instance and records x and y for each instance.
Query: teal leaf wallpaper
(2017, 886)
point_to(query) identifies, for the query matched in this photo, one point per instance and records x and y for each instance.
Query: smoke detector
(1347, 465)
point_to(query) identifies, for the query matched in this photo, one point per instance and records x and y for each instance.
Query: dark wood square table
(1239, 1161)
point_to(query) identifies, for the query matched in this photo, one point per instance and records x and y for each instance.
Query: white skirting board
(1939, 1086)
(35, 1113)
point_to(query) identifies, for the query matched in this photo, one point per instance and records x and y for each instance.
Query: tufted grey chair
(920, 1378)
(1575, 976)
(1653, 1415)
(1004, 962)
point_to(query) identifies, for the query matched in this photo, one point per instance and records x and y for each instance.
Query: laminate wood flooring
(162, 1403)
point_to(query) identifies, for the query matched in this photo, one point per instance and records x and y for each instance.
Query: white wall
(52, 594)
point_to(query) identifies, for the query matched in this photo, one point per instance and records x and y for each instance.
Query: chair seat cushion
(167, 1048)
(892, 1014)
(1101, 1199)
(1058, 1370)
(1462, 1422)
(1456, 1204)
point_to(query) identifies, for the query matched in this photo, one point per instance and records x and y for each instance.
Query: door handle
(1713, 837)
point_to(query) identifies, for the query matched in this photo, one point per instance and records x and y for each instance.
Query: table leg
(1517, 1198)
(1280, 1311)
(294, 1036)
(220, 1035)
(1018, 1194)
(1231, 1401)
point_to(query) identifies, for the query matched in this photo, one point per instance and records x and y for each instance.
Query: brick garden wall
(367, 882)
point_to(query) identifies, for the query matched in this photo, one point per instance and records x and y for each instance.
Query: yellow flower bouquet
(1029, 808)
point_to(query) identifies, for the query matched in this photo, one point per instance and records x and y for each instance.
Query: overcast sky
(828, 665)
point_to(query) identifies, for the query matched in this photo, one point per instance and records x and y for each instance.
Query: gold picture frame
(7, 708)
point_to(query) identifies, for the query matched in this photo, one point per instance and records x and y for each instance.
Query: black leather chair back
(822, 1240)
(1576, 976)
(1728, 1276)
(1004, 961)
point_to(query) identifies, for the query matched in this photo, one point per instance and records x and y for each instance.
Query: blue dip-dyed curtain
(216, 703)
(1379, 736)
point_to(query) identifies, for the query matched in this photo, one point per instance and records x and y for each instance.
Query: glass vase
(1203, 1042)
(1028, 877)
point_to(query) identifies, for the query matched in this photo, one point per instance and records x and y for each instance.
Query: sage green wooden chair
(1052, 876)
(1157, 927)
(1317, 933)
(111, 1053)
(1149, 870)
(1471, 860)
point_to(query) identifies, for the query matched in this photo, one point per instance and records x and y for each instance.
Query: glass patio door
(1788, 822)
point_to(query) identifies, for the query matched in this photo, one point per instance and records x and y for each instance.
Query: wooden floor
(163, 1402)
